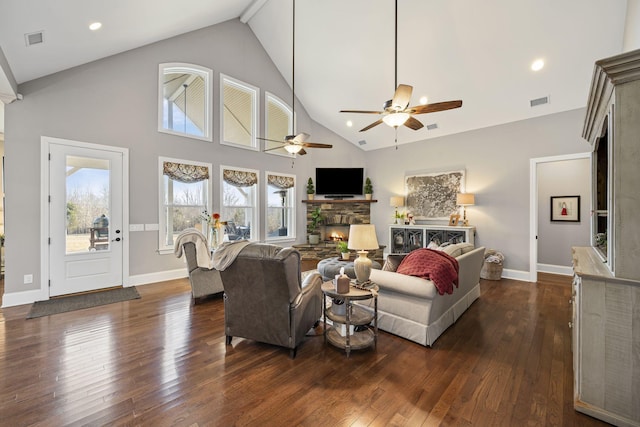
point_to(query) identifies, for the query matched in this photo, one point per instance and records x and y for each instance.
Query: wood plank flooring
(162, 361)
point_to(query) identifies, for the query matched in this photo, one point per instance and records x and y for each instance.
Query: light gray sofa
(411, 307)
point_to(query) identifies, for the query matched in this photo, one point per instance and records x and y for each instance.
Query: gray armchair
(264, 299)
(204, 281)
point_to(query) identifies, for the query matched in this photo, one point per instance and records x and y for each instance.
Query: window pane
(238, 113)
(280, 213)
(279, 123)
(87, 204)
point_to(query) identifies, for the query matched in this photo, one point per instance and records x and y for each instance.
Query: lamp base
(362, 267)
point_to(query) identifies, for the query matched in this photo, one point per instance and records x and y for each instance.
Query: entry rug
(79, 302)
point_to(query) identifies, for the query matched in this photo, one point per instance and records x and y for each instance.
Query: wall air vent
(539, 101)
(362, 142)
(432, 126)
(34, 38)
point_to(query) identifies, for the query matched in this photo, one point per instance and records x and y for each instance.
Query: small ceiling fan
(396, 112)
(295, 144)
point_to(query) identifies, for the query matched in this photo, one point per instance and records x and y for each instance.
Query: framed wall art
(565, 208)
(433, 196)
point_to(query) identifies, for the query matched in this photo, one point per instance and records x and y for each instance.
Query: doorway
(536, 216)
(85, 216)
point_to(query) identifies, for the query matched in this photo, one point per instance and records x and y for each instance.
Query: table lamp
(395, 202)
(362, 237)
(464, 200)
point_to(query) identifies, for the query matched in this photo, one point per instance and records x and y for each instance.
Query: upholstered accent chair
(204, 281)
(265, 299)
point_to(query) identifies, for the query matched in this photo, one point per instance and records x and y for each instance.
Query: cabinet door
(415, 240)
(397, 241)
(456, 236)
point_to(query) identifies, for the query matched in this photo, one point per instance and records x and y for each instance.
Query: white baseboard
(160, 276)
(555, 269)
(516, 275)
(24, 297)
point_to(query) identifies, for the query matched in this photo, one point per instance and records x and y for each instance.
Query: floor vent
(34, 38)
(362, 142)
(432, 126)
(539, 101)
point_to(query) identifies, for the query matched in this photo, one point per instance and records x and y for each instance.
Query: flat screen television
(339, 182)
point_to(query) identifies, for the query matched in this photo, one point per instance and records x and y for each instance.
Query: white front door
(85, 219)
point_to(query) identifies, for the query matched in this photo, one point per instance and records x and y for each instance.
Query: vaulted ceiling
(476, 51)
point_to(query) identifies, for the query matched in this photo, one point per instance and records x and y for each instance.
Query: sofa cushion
(392, 262)
(458, 249)
(437, 266)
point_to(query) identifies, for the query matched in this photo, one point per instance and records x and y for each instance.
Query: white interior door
(85, 219)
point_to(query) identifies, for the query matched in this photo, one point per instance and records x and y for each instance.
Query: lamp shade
(362, 237)
(396, 201)
(465, 199)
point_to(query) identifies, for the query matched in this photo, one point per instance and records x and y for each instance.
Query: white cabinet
(405, 238)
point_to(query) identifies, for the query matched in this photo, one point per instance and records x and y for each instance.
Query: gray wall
(496, 161)
(555, 239)
(114, 102)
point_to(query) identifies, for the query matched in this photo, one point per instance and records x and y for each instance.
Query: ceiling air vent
(34, 38)
(432, 126)
(539, 101)
(362, 142)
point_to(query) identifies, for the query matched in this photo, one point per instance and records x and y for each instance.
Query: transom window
(185, 103)
(239, 202)
(184, 195)
(281, 215)
(239, 113)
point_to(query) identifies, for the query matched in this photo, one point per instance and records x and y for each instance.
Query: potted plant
(316, 218)
(310, 189)
(368, 189)
(343, 248)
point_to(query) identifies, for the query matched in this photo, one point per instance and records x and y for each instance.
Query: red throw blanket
(437, 266)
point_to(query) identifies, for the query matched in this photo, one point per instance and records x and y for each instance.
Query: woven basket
(492, 270)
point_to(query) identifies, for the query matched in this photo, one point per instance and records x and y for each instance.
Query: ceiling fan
(396, 112)
(295, 144)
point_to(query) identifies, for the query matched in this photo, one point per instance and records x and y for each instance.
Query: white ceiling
(477, 51)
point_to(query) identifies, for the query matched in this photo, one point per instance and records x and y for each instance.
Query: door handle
(117, 239)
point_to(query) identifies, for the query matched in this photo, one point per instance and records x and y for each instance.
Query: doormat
(79, 302)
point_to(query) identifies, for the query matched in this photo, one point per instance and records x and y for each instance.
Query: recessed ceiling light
(537, 65)
(95, 26)
(424, 100)
(349, 123)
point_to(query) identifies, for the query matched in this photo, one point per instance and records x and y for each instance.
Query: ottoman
(329, 267)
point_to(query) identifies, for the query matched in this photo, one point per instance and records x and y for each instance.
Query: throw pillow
(457, 249)
(392, 262)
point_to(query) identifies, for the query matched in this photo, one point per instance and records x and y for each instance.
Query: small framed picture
(453, 219)
(565, 208)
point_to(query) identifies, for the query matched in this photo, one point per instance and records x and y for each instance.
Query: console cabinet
(606, 287)
(405, 238)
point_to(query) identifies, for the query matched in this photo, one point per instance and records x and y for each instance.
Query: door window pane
(87, 204)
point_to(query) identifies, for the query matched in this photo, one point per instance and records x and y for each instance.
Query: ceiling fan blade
(301, 152)
(316, 145)
(376, 123)
(273, 148)
(362, 111)
(402, 97)
(270, 140)
(413, 123)
(299, 138)
(432, 108)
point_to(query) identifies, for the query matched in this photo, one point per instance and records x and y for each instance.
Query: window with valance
(240, 202)
(281, 212)
(184, 188)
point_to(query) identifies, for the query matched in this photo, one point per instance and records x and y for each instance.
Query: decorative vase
(314, 239)
(213, 238)
(346, 255)
(309, 196)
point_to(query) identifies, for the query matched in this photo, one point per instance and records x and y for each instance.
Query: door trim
(45, 142)
(533, 205)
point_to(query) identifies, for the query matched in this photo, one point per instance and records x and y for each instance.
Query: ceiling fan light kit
(396, 119)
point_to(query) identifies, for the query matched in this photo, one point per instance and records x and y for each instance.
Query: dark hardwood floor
(162, 361)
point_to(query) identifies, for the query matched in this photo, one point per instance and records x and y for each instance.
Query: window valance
(184, 172)
(239, 178)
(281, 182)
